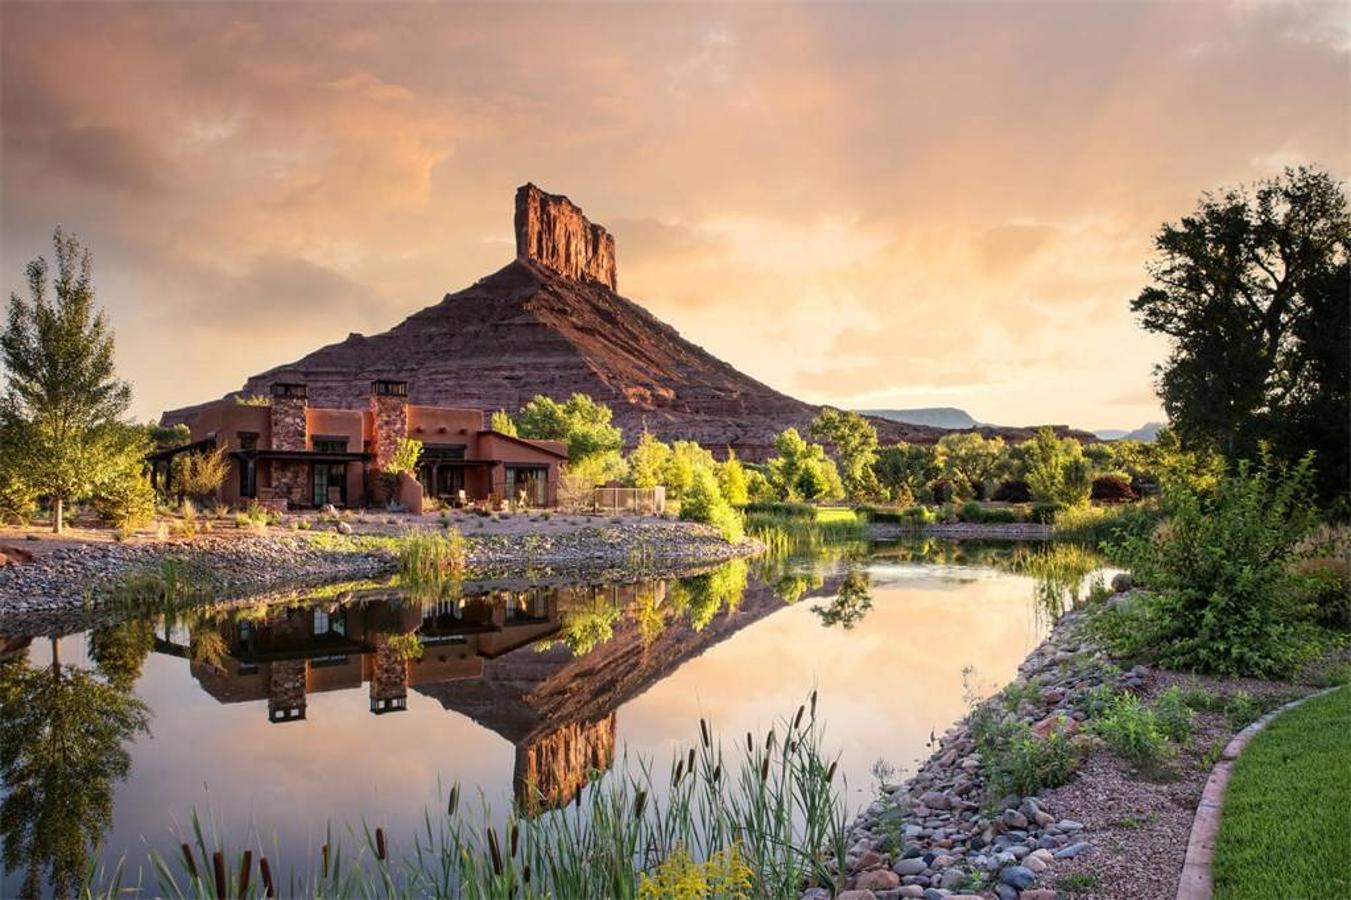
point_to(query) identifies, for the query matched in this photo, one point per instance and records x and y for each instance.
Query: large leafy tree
(63, 402)
(584, 425)
(1056, 469)
(854, 440)
(967, 458)
(1254, 290)
(905, 469)
(802, 471)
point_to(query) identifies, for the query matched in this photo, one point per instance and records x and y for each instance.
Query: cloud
(848, 201)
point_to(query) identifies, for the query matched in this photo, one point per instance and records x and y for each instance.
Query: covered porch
(302, 478)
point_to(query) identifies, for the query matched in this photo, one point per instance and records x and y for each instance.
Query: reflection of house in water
(293, 652)
(555, 707)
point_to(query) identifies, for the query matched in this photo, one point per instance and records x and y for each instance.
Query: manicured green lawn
(835, 514)
(1285, 829)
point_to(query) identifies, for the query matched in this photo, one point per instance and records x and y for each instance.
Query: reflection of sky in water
(884, 686)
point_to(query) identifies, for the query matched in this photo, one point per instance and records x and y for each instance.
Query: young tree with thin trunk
(63, 402)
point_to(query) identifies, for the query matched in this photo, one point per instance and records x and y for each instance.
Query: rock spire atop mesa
(552, 232)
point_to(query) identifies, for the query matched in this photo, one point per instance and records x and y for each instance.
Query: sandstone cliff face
(551, 323)
(552, 232)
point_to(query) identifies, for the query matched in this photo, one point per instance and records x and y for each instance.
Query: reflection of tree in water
(851, 604)
(591, 623)
(61, 750)
(698, 598)
(120, 650)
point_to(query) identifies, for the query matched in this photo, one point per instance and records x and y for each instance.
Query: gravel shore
(76, 576)
(1115, 830)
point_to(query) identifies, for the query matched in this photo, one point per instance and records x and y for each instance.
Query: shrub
(126, 501)
(1045, 513)
(1223, 597)
(1173, 715)
(1114, 487)
(18, 499)
(1131, 730)
(201, 474)
(787, 510)
(1241, 709)
(1014, 490)
(1057, 471)
(703, 502)
(974, 511)
(1016, 761)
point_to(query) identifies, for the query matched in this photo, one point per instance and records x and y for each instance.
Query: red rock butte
(551, 323)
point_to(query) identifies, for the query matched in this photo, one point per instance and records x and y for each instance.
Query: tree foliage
(905, 470)
(63, 400)
(1056, 469)
(968, 460)
(802, 471)
(594, 444)
(854, 440)
(733, 481)
(648, 461)
(501, 422)
(1254, 290)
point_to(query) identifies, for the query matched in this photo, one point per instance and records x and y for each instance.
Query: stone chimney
(389, 678)
(551, 231)
(289, 400)
(389, 411)
(287, 686)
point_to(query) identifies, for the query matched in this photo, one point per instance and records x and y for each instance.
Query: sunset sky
(909, 205)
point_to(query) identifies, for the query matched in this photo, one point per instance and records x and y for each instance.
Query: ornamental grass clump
(763, 817)
(430, 559)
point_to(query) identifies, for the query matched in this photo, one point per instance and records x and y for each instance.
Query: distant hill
(932, 416)
(1146, 432)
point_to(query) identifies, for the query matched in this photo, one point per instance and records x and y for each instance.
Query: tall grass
(1104, 526)
(431, 560)
(786, 535)
(772, 803)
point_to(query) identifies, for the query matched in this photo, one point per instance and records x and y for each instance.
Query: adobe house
(293, 454)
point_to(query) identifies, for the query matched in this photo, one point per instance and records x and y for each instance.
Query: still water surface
(275, 723)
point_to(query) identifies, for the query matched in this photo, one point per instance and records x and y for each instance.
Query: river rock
(912, 866)
(877, 880)
(1018, 877)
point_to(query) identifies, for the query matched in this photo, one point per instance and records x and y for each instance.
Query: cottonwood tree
(1254, 290)
(855, 442)
(584, 425)
(63, 402)
(968, 459)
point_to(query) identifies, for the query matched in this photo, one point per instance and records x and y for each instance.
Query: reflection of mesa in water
(492, 657)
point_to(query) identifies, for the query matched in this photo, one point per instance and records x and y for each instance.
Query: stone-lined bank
(938, 835)
(76, 578)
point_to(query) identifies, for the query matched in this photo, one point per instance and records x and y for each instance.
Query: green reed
(775, 799)
(431, 559)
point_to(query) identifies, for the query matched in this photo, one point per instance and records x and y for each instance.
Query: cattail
(750, 743)
(703, 732)
(494, 851)
(266, 871)
(769, 740)
(515, 838)
(690, 764)
(325, 853)
(797, 719)
(764, 770)
(380, 843)
(245, 871)
(717, 771)
(830, 773)
(813, 703)
(192, 863)
(525, 873)
(638, 803)
(788, 747)
(577, 797)
(218, 864)
(454, 802)
(679, 770)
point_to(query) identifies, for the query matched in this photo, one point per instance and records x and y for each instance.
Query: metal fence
(647, 501)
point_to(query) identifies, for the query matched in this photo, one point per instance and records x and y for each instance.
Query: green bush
(1045, 513)
(779, 508)
(1223, 597)
(1131, 730)
(703, 502)
(976, 512)
(1173, 715)
(126, 501)
(1016, 761)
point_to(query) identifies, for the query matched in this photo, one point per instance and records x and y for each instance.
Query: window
(528, 483)
(329, 444)
(248, 440)
(248, 473)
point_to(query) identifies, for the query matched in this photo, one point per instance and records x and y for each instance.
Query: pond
(366, 705)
